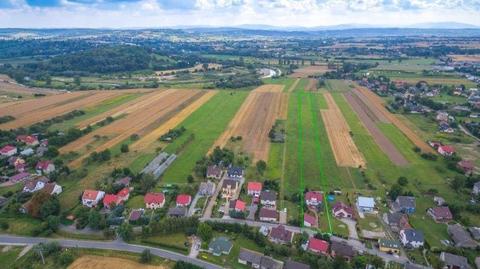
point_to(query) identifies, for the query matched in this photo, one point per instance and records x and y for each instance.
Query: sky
(171, 13)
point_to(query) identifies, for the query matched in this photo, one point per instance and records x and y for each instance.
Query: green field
(205, 124)
(286, 81)
(414, 77)
(412, 65)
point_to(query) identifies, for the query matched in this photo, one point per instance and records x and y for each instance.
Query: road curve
(110, 245)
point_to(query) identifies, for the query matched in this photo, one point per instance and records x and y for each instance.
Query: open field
(378, 103)
(57, 109)
(312, 85)
(203, 127)
(344, 149)
(254, 120)
(196, 68)
(10, 90)
(99, 262)
(139, 122)
(465, 58)
(311, 70)
(408, 65)
(172, 122)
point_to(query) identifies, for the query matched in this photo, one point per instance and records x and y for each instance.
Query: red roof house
(111, 199)
(8, 150)
(310, 220)
(45, 167)
(318, 246)
(446, 150)
(466, 166)
(440, 214)
(91, 198)
(123, 194)
(28, 139)
(341, 210)
(183, 199)
(254, 188)
(237, 205)
(154, 200)
(313, 198)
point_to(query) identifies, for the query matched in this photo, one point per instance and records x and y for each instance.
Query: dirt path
(382, 141)
(172, 122)
(379, 104)
(344, 149)
(312, 85)
(254, 120)
(294, 85)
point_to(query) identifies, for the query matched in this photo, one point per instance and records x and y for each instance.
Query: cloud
(162, 13)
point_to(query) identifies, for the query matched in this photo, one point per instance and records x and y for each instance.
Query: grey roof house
(404, 204)
(454, 261)
(220, 245)
(460, 236)
(206, 188)
(295, 265)
(258, 260)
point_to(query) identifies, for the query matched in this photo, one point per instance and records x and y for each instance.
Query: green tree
(66, 258)
(146, 256)
(77, 80)
(125, 231)
(53, 222)
(95, 219)
(205, 232)
(402, 181)
(124, 148)
(261, 166)
(457, 183)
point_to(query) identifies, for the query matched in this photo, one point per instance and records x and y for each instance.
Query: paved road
(111, 245)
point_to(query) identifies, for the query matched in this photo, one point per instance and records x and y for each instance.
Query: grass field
(8, 255)
(205, 124)
(411, 65)
(414, 77)
(286, 81)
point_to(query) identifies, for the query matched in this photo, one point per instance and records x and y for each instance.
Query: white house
(365, 204)
(91, 198)
(53, 188)
(45, 167)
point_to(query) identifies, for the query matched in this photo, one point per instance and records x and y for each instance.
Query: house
(389, 246)
(125, 181)
(404, 204)
(123, 194)
(295, 265)
(254, 188)
(317, 246)
(342, 249)
(35, 184)
(477, 262)
(135, 215)
(257, 260)
(177, 212)
(446, 150)
(19, 177)
(412, 238)
(440, 214)
(341, 210)
(8, 150)
(452, 261)
(3, 201)
(111, 199)
(40, 151)
(475, 232)
(91, 198)
(220, 245)
(309, 220)
(44, 167)
(52, 188)
(237, 205)
(268, 198)
(268, 215)
(461, 237)
(214, 172)
(27, 152)
(365, 204)
(476, 188)
(442, 116)
(183, 200)
(29, 140)
(206, 188)
(410, 265)
(439, 201)
(235, 173)
(397, 221)
(435, 144)
(154, 200)
(466, 166)
(229, 188)
(313, 198)
(280, 235)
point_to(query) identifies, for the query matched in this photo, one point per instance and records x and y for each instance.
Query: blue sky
(162, 13)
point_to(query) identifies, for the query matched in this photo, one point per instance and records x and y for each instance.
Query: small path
(294, 85)
(24, 251)
(195, 248)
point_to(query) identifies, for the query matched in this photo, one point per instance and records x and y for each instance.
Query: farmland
(311, 70)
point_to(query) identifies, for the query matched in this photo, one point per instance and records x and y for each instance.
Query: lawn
(19, 224)
(93, 111)
(409, 65)
(177, 242)
(337, 85)
(8, 255)
(204, 125)
(135, 202)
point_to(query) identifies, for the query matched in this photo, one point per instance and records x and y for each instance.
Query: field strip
(134, 123)
(318, 151)
(172, 122)
(371, 110)
(253, 121)
(301, 186)
(344, 149)
(125, 108)
(412, 136)
(49, 113)
(294, 84)
(382, 141)
(283, 109)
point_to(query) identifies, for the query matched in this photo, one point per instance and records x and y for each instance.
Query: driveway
(352, 229)
(110, 245)
(211, 203)
(191, 209)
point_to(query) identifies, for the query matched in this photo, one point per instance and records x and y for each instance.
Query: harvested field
(311, 70)
(377, 102)
(465, 58)
(26, 113)
(10, 88)
(312, 85)
(283, 106)
(344, 149)
(99, 262)
(172, 122)
(382, 141)
(140, 121)
(254, 119)
(294, 85)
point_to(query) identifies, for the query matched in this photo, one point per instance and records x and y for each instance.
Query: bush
(65, 258)
(124, 148)
(146, 256)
